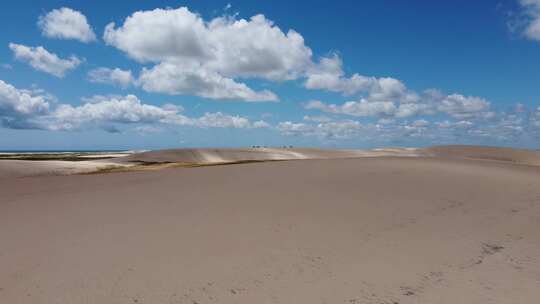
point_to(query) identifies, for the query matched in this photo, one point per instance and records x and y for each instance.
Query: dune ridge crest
(499, 154)
(231, 155)
(189, 157)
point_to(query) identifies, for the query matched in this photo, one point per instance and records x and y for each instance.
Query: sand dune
(11, 168)
(365, 230)
(24, 168)
(18, 165)
(27, 168)
(210, 156)
(510, 155)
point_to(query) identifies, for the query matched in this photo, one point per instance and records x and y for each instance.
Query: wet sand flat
(367, 230)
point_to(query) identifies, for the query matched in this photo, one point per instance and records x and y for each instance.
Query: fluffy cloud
(122, 110)
(325, 130)
(535, 118)
(207, 57)
(462, 124)
(431, 102)
(317, 118)
(42, 60)
(221, 120)
(353, 108)
(290, 128)
(247, 48)
(18, 106)
(160, 35)
(31, 109)
(367, 108)
(387, 98)
(502, 127)
(116, 76)
(204, 57)
(328, 75)
(260, 124)
(420, 123)
(108, 112)
(194, 79)
(257, 48)
(350, 129)
(532, 9)
(459, 106)
(21, 102)
(199, 57)
(516, 126)
(65, 23)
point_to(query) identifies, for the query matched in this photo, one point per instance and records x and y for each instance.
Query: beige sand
(368, 230)
(27, 168)
(18, 165)
(208, 156)
(510, 155)
(23, 168)
(213, 156)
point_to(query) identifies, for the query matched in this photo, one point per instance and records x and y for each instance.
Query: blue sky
(242, 73)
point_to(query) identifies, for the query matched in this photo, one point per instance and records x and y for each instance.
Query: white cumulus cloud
(194, 79)
(66, 23)
(535, 118)
(18, 106)
(109, 112)
(249, 48)
(31, 109)
(459, 106)
(532, 10)
(123, 110)
(328, 75)
(341, 129)
(42, 60)
(116, 76)
(367, 108)
(204, 58)
(431, 102)
(221, 120)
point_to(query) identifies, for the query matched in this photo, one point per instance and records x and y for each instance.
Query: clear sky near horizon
(159, 74)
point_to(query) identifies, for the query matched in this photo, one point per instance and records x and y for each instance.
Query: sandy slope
(209, 156)
(10, 169)
(27, 168)
(368, 230)
(19, 168)
(510, 155)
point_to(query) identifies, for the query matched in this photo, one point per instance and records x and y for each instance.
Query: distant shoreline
(58, 151)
